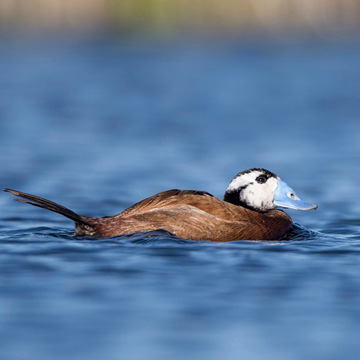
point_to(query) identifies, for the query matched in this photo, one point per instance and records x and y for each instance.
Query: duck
(250, 210)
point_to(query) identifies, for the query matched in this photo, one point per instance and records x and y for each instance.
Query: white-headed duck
(249, 211)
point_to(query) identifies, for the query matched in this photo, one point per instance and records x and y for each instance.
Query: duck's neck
(233, 197)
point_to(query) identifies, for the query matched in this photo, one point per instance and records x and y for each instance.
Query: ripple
(107, 124)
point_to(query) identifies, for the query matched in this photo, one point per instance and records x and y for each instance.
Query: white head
(262, 190)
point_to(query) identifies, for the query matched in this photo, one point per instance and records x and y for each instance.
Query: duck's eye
(292, 196)
(261, 179)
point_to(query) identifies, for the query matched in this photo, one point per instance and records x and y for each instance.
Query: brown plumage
(193, 215)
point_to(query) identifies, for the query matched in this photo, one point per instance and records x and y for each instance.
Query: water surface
(98, 125)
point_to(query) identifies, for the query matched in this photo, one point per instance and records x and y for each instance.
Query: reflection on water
(99, 125)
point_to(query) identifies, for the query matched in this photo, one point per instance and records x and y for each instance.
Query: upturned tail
(49, 205)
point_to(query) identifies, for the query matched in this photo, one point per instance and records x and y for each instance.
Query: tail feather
(48, 205)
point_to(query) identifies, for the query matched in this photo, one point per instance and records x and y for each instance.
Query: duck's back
(196, 215)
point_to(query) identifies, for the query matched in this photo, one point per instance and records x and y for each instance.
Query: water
(98, 125)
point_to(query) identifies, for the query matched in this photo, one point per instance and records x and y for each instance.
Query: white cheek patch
(260, 196)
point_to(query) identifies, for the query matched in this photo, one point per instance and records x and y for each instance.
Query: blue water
(97, 125)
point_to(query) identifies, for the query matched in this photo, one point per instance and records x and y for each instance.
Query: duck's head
(262, 190)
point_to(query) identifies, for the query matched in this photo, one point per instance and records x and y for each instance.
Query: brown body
(193, 215)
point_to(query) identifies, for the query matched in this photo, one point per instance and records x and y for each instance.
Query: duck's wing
(190, 222)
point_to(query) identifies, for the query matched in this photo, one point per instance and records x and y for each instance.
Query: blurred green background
(182, 15)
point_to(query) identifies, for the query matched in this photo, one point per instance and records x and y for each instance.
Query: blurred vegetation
(180, 15)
